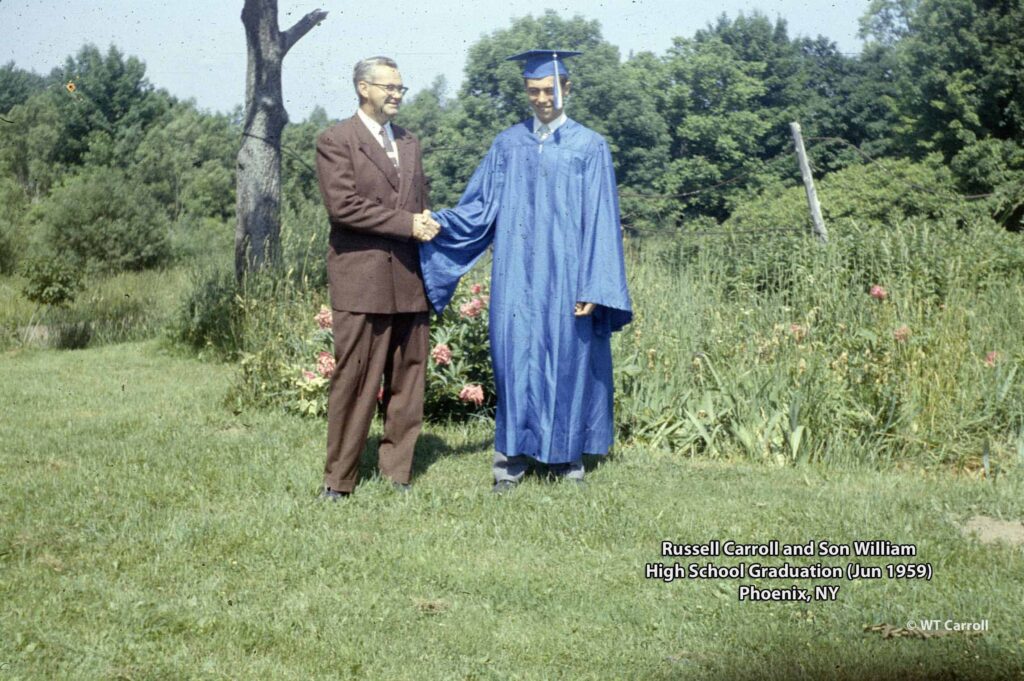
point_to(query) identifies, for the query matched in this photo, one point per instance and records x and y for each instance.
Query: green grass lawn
(149, 533)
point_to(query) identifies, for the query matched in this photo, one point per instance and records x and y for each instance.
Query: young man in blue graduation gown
(545, 198)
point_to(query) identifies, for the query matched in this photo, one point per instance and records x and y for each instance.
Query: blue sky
(197, 49)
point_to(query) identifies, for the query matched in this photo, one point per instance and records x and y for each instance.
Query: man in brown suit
(372, 183)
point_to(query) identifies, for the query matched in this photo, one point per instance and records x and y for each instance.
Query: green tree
(732, 91)
(94, 111)
(958, 71)
(103, 94)
(426, 115)
(17, 85)
(30, 145)
(187, 162)
(423, 113)
(298, 176)
(717, 126)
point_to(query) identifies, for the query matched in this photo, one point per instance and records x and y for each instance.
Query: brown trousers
(366, 347)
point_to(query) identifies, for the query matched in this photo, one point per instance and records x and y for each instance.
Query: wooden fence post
(812, 196)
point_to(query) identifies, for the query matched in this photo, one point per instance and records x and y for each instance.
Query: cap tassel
(558, 83)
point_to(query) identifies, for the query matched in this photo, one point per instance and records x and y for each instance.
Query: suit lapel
(406, 162)
(372, 149)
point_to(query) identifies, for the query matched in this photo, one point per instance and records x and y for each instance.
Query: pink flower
(472, 308)
(442, 354)
(308, 375)
(476, 288)
(879, 293)
(486, 300)
(324, 318)
(325, 364)
(991, 358)
(799, 332)
(901, 334)
(380, 394)
(472, 393)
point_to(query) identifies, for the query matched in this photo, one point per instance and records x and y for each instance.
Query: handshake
(424, 227)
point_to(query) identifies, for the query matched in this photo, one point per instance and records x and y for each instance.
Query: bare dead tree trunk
(258, 177)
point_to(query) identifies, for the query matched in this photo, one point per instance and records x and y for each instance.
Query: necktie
(389, 148)
(543, 132)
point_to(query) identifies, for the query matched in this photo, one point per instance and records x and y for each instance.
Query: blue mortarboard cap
(544, 63)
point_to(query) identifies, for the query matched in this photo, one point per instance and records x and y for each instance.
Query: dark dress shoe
(401, 487)
(328, 494)
(503, 486)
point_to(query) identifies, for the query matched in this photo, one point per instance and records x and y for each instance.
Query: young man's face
(541, 92)
(377, 102)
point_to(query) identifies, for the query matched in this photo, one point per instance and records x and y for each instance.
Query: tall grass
(118, 307)
(775, 348)
(262, 323)
(109, 309)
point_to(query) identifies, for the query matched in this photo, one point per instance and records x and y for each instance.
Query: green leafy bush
(52, 282)
(104, 220)
(882, 193)
(202, 242)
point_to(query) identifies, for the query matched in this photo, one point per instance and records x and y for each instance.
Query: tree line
(98, 166)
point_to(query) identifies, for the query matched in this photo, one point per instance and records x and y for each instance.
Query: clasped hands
(424, 227)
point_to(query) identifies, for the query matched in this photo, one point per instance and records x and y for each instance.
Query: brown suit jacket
(373, 263)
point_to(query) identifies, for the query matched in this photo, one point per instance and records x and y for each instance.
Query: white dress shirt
(374, 127)
(552, 126)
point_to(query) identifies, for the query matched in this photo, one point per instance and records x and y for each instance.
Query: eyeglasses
(389, 88)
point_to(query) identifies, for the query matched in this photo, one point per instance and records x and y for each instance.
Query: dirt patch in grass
(992, 530)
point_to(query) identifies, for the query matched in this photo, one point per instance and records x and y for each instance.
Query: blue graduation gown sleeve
(466, 232)
(602, 275)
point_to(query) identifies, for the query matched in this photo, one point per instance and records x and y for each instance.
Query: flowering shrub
(459, 381)
(305, 386)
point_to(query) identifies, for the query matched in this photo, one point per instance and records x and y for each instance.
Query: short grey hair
(365, 66)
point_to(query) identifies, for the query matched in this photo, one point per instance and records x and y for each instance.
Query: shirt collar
(552, 126)
(373, 126)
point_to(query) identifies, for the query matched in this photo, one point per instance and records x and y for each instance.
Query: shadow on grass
(429, 450)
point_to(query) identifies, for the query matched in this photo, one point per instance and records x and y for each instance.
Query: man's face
(541, 92)
(380, 104)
